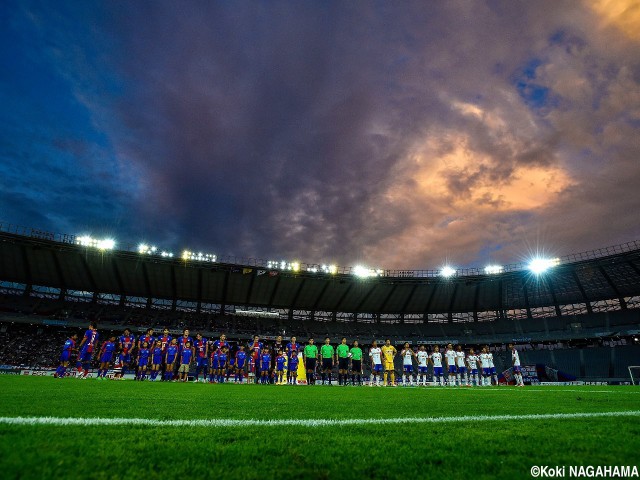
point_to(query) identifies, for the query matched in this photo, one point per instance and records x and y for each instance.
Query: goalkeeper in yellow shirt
(389, 352)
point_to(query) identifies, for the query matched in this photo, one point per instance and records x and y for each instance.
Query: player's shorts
(215, 364)
(452, 369)
(293, 367)
(389, 366)
(125, 358)
(280, 368)
(156, 360)
(327, 363)
(486, 372)
(106, 357)
(240, 365)
(407, 368)
(356, 365)
(310, 364)
(343, 363)
(143, 362)
(170, 361)
(265, 367)
(377, 367)
(184, 368)
(85, 356)
(202, 362)
(65, 356)
(493, 370)
(474, 371)
(462, 369)
(516, 369)
(422, 369)
(437, 371)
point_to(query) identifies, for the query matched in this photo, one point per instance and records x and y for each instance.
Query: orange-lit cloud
(621, 14)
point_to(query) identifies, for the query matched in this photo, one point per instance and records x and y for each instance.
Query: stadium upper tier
(69, 270)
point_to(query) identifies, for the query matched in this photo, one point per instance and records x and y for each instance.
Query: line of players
(171, 359)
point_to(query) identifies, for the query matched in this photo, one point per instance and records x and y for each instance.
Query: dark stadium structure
(590, 301)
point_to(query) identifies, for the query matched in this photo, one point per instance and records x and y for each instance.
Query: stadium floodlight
(106, 244)
(333, 269)
(362, 272)
(143, 248)
(295, 266)
(88, 241)
(493, 269)
(189, 255)
(85, 241)
(447, 271)
(541, 265)
(366, 272)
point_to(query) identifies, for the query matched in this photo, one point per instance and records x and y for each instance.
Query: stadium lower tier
(40, 346)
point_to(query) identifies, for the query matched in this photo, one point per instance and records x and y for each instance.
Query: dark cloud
(395, 135)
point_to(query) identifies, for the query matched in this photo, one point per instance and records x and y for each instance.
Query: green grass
(499, 449)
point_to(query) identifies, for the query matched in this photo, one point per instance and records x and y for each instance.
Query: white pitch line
(60, 421)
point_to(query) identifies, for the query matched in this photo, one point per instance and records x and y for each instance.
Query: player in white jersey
(436, 360)
(492, 370)
(375, 354)
(450, 357)
(486, 366)
(423, 364)
(461, 374)
(515, 359)
(407, 364)
(472, 362)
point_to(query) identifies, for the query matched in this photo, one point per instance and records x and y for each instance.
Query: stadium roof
(67, 266)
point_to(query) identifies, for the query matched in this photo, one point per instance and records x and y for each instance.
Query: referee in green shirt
(342, 355)
(327, 352)
(310, 354)
(356, 363)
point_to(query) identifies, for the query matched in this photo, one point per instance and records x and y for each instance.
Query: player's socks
(329, 378)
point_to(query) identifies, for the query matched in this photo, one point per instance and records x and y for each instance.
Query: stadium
(574, 321)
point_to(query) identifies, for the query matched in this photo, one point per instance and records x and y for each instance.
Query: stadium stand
(581, 308)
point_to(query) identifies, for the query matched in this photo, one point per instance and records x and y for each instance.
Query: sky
(390, 134)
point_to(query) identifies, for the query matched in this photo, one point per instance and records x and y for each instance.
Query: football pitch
(74, 428)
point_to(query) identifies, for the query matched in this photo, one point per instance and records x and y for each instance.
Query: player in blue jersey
(165, 340)
(65, 356)
(292, 369)
(231, 364)
(170, 358)
(202, 349)
(293, 347)
(222, 342)
(126, 344)
(281, 362)
(156, 360)
(88, 348)
(255, 348)
(106, 356)
(241, 359)
(143, 361)
(147, 337)
(186, 355)
(214, 366)
(265, 364)
(223, 360)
